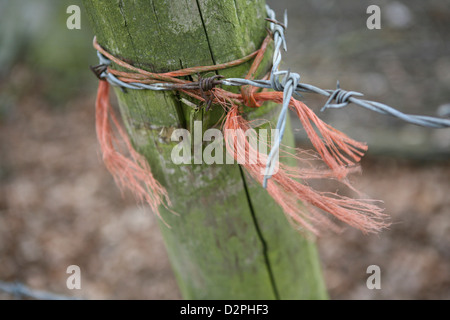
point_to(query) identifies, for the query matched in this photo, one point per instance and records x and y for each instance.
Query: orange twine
(338, 151)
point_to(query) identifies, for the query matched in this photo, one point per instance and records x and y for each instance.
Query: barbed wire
(19, 290)
(284, 81)
(343, 98)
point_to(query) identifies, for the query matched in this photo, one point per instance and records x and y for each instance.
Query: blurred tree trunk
(231, 240)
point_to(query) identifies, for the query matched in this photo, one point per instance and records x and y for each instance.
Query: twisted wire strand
(19, 290)
(287, 85)
(343, 98)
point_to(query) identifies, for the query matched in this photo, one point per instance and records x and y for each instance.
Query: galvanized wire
(289, 83)
(20, 291)
(343, 98)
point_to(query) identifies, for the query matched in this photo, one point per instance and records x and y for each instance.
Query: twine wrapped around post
(339, 152)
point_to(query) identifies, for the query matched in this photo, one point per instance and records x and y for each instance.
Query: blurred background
(59, 206)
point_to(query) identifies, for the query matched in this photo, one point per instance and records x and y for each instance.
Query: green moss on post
(231, 240)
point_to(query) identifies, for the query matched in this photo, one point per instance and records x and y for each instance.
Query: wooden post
(231, 240)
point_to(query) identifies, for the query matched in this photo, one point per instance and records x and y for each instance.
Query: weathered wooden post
(231, 240)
